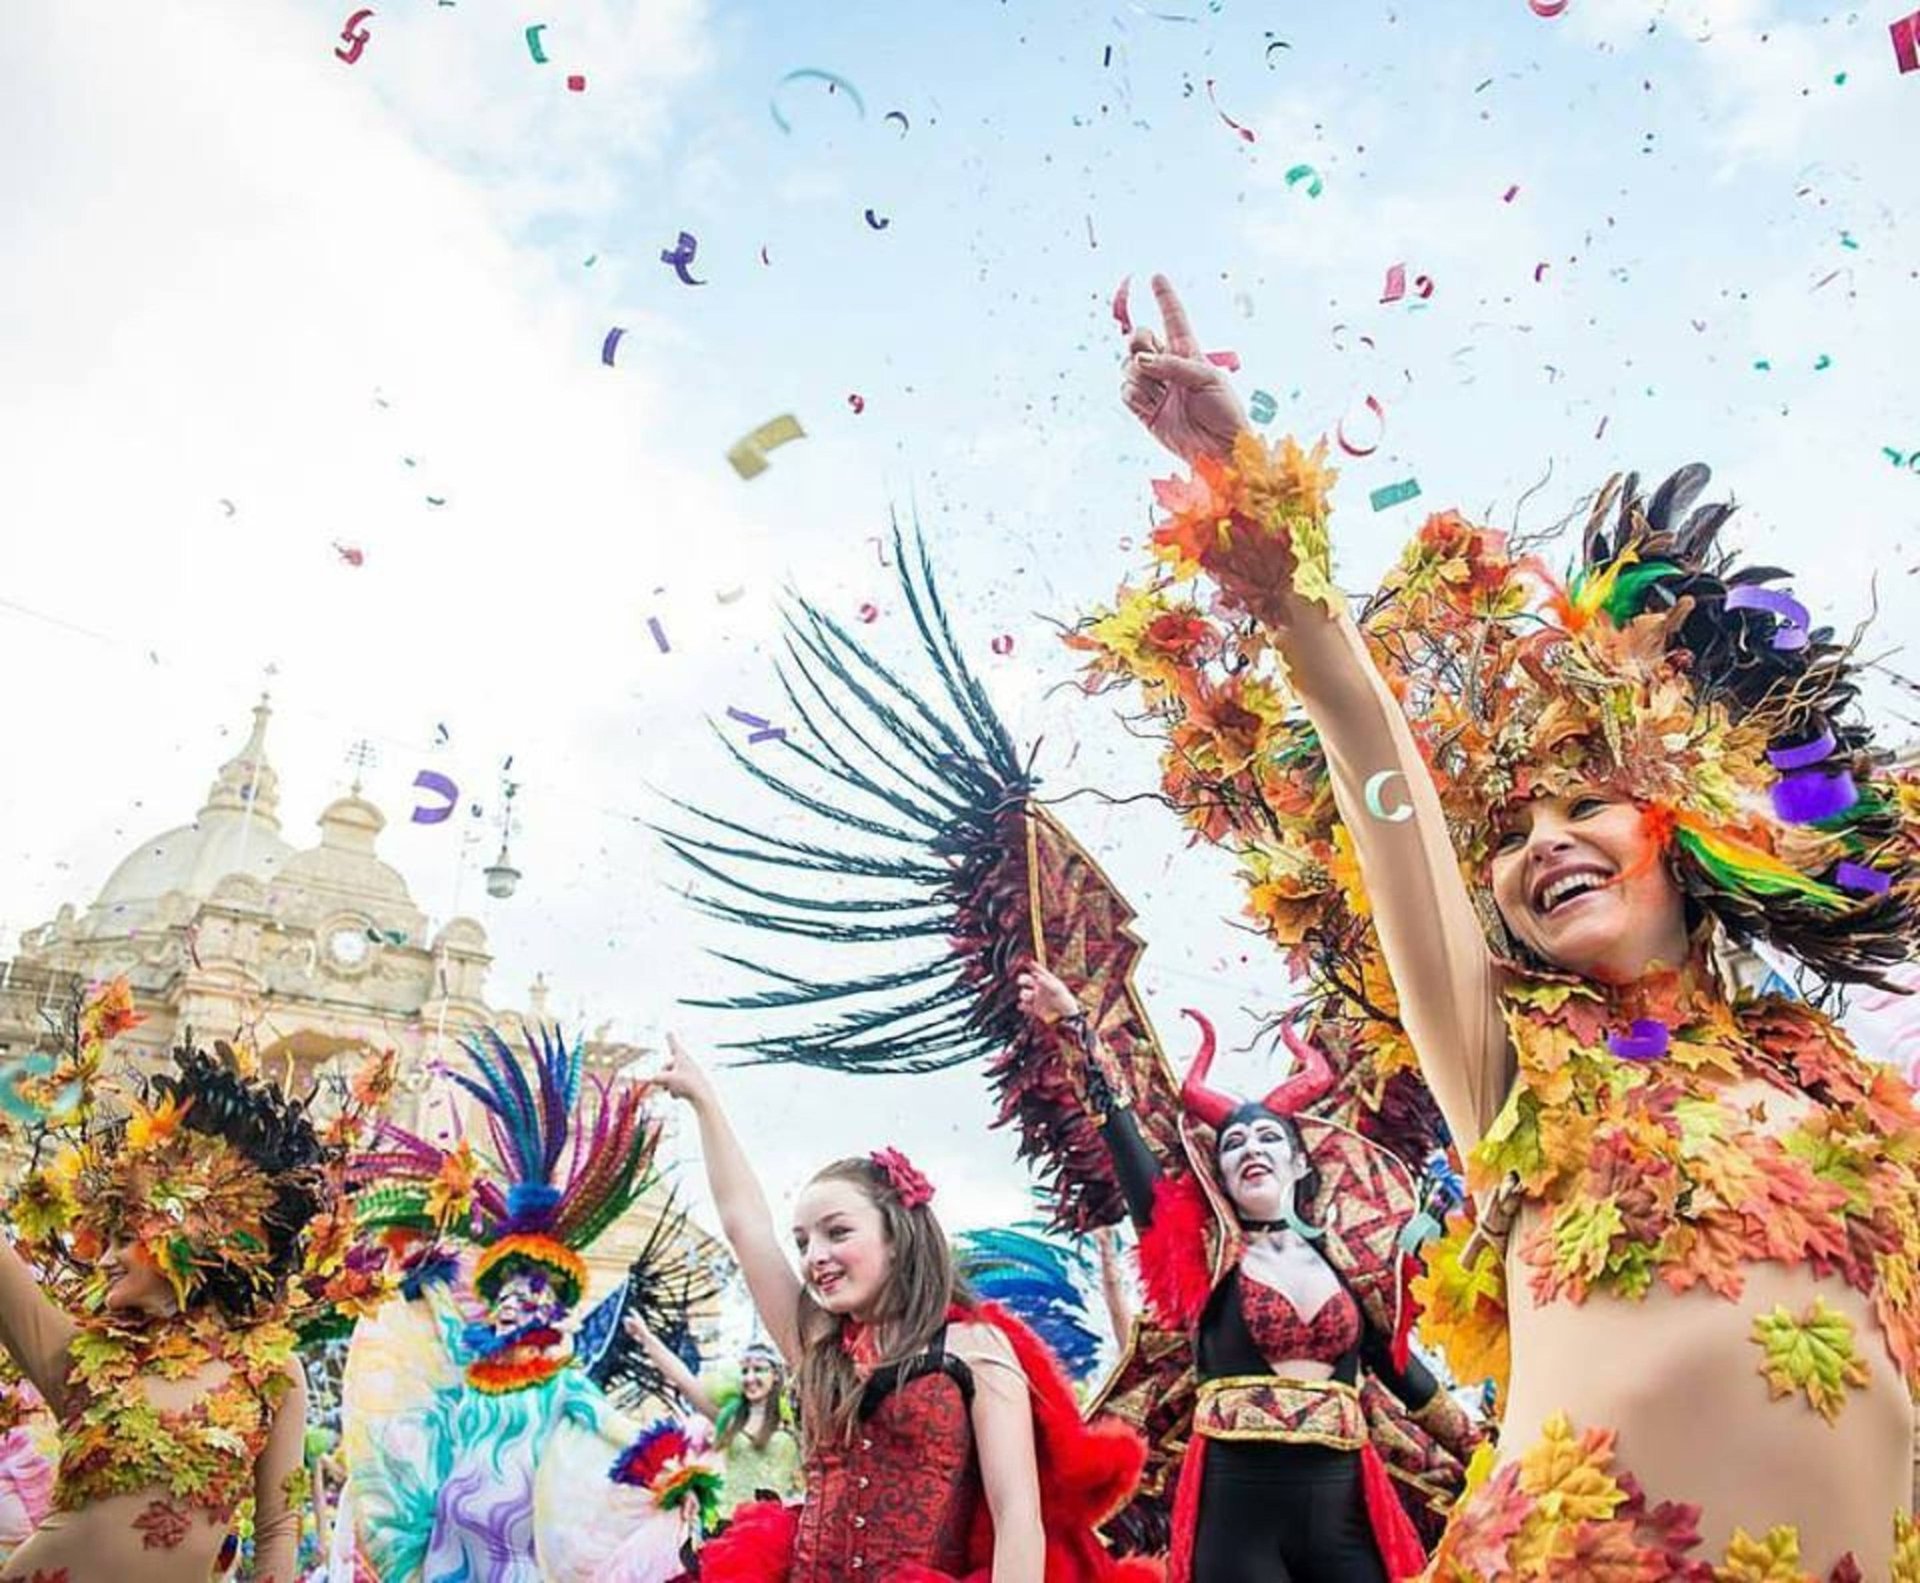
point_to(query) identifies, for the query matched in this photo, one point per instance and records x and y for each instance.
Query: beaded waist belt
(1265, 1407)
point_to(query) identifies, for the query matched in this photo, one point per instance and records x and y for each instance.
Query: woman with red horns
(1273, 1247)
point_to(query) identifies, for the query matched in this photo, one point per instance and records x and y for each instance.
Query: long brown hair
(773, 1409)
(921, 1285)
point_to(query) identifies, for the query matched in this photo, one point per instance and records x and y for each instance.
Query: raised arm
(280, 1486)
(1047, 999)
(1429, 931)
(672, 1367)
(745, 1220)
(34, 1328)
(1113, 1285)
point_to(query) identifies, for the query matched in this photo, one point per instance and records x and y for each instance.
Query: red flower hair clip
(913, 1188)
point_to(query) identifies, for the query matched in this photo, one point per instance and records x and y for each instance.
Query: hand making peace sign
(1185, 402)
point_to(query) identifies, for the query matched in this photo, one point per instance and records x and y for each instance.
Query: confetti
(231, 507)
(1230, 361)
(1539, 272)
(680, 256)
(1261, 406)
(726, 596)
(533, 43)
(879, 548)
(1395, 286)
(763, 731)
(749, 455)
(878, 222)
(354, 36)
(1278, 43)
(1394, 494)
(1511, 193)
(1377, 784)
(1246, 133)
(352, 554)
(611, 344)
(659, 634)
(1862, 881)
(1646, 1039)
(1822, 363)
(1791, 615)
(836, 84)
(901, 117)
(1548, 8)
(1809, 797)
(1906, 42)
(433, 781)
(1121, 316)
(869, 613)
(1340, 431)
(576, 84)
(1002, 645)
(1310, 176)
(1806, 754)
(858, 402)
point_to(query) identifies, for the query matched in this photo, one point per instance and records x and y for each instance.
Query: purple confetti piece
(746, 719)
(659, 634)
(1788, 612)
(612, 343)
(1861, 880)
(681, 256)
(1646, 1039)
(771, 734)
(433, 781)
(1810, 797)
(1805, 756)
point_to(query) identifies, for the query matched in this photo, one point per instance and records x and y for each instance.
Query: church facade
(227, 929)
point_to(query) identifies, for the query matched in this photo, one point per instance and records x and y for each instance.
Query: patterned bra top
(1282, 1335)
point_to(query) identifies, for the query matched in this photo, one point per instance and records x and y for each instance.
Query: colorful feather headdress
(573, 1155)
(1657, 668)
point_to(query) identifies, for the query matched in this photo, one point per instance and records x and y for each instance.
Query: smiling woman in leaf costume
(1698, 1220)
(176, 1388)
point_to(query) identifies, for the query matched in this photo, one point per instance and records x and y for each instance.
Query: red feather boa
(1087, 1472)
(1174, 1267)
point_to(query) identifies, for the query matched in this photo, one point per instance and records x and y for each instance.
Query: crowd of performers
(1550, 1133)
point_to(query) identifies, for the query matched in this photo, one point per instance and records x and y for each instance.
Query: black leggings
(1283, 1514)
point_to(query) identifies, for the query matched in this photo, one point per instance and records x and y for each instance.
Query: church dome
(237, 832)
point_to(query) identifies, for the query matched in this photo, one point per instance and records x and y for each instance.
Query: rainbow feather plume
(1745, 868)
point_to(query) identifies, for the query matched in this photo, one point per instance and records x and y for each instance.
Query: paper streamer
(354, 36)
(836, 84)
(1310, 176)
(433, 781)
(1246, 133)
(1646, 1039)
(749, 456)
(1340, 431)
(1783, 607)
(680, 256)
(1371, 793)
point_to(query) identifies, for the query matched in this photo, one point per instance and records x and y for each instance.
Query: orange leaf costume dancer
(1692, 1268)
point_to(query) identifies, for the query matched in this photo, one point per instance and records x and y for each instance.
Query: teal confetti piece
(1823, 363)
(1394, 494)
(1261, 407)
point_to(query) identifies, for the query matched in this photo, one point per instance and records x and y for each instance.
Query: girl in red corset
(942, 1440)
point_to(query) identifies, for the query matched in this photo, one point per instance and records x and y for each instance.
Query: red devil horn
(1310, 1079)
(1206, 1104)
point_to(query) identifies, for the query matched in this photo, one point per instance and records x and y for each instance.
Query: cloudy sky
(262, 305)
